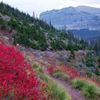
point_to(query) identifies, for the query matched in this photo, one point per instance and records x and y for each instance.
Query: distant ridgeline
(35, 33)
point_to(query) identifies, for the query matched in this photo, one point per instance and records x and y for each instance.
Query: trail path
(74, 93)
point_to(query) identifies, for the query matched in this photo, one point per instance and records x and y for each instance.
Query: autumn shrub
(51, 69)
(18, 81)
(73, 73)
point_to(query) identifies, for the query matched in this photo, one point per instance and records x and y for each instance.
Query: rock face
(73, 18)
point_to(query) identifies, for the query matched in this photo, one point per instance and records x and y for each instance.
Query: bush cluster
(18, 81)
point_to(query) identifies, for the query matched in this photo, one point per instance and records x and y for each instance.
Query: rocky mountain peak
(81, 17)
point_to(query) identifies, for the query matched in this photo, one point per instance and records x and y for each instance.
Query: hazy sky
(39, 6)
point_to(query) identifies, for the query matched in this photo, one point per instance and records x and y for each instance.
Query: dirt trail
(75, 94)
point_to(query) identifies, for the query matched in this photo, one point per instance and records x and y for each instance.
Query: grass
(87, 87)
(78, 84)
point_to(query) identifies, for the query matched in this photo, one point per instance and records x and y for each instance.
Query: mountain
(90, 10)
(81, 17)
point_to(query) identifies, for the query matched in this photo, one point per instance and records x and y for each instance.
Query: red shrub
(71, 72)
(51, 70)
(17, 80)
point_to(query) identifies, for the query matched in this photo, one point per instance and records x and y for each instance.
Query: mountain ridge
(79, 17)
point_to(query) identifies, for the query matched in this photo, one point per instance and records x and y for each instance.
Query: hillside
(58, 74)
(33, 32)
(39, 62)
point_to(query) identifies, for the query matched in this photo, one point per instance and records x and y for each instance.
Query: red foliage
(98, 83)
(75, 74)
(51, 70)
(17, 79)
(71, 72)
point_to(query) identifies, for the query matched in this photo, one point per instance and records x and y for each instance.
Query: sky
(39, 6)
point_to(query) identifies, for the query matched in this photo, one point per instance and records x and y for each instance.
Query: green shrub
(89, 91)
(79, 84)
(61, 75)
(37, 68)
(88, 88)
(90, 60)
